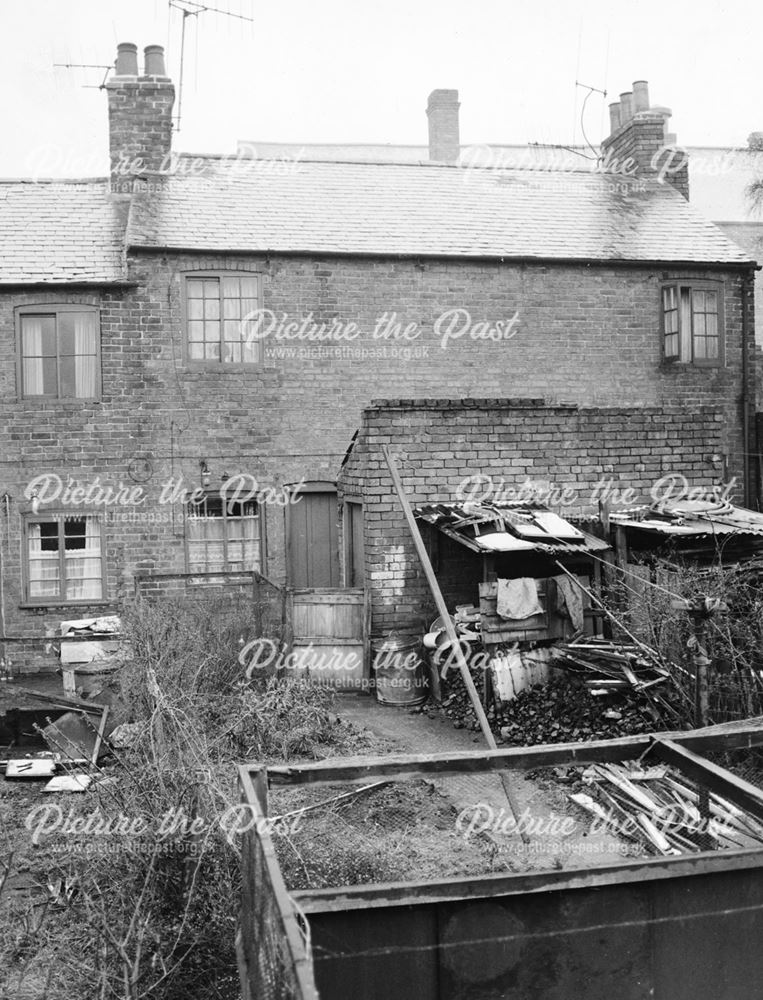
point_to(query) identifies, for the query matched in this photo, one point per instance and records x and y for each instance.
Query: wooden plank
(712, 777)
(439, 600)
(255, 799)
(60, 699)
(434, 586)
(491, 886)
(714, 739)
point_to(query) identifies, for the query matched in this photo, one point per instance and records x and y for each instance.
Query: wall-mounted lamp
(35, 502)
(206, 476)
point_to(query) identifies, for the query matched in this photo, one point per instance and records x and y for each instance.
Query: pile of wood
(663, 811)
(607, 668)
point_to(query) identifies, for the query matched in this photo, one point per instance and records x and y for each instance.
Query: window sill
(683, 366)
(50, 606)
(62, 400)
(225, 366)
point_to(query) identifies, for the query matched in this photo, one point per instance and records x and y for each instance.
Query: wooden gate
(328, 633)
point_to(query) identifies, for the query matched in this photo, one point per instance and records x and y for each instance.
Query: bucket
(399, 671)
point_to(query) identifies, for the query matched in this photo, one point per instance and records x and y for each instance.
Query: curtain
(31, 339)
(43, 566)
(83, 568)
(206, 553)
(84, 349)
(243, 543)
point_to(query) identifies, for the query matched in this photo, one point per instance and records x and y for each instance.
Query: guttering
(71, 284)
(462, 257)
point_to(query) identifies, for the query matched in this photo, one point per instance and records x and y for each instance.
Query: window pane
(44, 575)
(231, 288)
(42, 559)
(211, 288)
(68, 380)
(212, 331)
(685, 330)
(33, 375)
(76, 333)
(232, 308)
(196, 352)
(211, 308)
(212, 352)
(38, 336)
(195, 330)
(232, 353)
(195, 288)
(195, 309)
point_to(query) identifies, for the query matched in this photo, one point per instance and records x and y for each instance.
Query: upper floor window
(59, 352)
(216, 310)
(223, 536)
(64, 561)
(692, 323)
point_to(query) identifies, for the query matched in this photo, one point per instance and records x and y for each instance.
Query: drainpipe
(747, 282)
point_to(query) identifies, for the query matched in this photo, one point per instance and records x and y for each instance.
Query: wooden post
(442, 609)
(701, 609)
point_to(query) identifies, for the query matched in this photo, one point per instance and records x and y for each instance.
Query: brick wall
(440, 444)
(642, 140)
(585, 334)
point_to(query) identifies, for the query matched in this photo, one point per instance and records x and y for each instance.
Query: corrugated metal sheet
(509, 527)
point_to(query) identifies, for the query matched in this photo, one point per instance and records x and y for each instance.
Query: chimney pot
(444, 139)
(640, 96)
(614, 117)
(626, 107)
(154, 61)
(127, 60)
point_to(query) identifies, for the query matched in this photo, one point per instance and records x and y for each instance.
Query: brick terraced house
(193, 321)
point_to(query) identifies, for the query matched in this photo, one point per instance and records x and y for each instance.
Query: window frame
(206, 363)
(56, 308)
(60, 600)
(693, 284)
(215, 494)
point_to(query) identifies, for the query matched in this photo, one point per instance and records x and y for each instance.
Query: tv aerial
(189, 8)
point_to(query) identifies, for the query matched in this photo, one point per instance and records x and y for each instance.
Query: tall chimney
(140, 119)
(442, 112)
(639, 143)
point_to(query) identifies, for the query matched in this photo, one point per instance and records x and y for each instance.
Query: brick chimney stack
(442, 112)
(140, 119)
(639, 133)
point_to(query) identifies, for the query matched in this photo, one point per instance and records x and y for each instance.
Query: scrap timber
(620, 927)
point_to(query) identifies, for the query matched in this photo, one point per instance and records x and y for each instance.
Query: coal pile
(562, 711)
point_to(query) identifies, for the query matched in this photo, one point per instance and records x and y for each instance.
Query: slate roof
(60, 231)
(66, 231)
(425, 210)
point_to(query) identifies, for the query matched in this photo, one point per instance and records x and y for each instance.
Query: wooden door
(312, 538)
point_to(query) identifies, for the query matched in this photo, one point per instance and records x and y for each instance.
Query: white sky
(354, 71)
